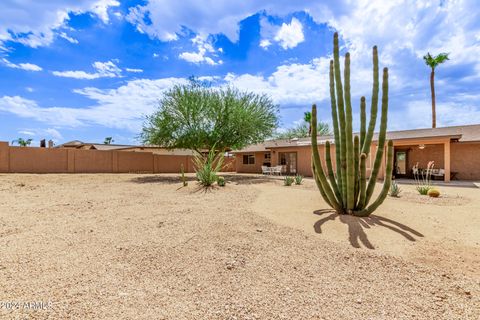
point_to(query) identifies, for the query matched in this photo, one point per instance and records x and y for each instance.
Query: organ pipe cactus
(347, 189)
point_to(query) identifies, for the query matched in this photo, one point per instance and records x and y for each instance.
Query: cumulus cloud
(102, 70)
(290, 35)
(24, 66)
(35, 23)
(204, 48)
(219, 16)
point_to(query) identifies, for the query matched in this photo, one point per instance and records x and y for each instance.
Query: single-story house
(455, 150)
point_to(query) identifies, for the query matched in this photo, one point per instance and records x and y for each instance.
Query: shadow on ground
(229, 178)
(357, 227)
(162, 179)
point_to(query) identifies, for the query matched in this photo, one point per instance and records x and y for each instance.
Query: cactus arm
(325, 186)
(341, 116)
(363, 121)
(336, 131)
(319, 184)
(356, 153)
(349, 137)
(381, 137)
(363, 181)
(386, 185)
(331, 175)
(374, 107)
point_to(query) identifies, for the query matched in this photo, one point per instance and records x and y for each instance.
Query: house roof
(467, 133)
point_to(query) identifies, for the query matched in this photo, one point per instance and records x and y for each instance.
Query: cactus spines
(347, 190)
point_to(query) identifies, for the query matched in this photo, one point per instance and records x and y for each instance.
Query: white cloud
(29, 89)
(49, 133)
(102, 70)
(124, 107)
(204, 47)
(219, 16)
(133, 70)
(35, 23)
(24, 66)
(66, 37)
(265, 43)
(290, 35)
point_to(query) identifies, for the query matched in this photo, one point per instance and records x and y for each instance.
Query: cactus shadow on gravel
(357, 227)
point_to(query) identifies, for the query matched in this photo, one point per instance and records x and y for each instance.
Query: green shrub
(298, 179)
(182, 176)
(423, 190)
(221, 181)
(395, 190)
(288, 181)
(207, 167)
(434, 193)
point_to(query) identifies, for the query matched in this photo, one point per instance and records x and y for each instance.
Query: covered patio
(419, 152)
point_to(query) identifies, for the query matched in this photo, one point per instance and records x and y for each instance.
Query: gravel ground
(141, 247)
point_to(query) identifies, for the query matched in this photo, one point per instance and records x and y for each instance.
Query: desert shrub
(298, 179)
(288, 181)
(207, 167)
(395, 190)
(182, 176)
(423, 190)
(423, 179)
(434, 193)
(221, 181)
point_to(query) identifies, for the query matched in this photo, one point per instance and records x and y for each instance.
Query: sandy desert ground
(141, 247)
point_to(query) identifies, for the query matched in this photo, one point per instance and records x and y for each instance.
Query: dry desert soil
(123, 246)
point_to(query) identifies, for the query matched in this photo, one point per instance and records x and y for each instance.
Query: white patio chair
(277, 170)
(266, 170)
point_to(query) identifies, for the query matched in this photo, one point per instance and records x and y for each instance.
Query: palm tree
(22, 142)
(307, 117)
(108, 140)
(433, 62)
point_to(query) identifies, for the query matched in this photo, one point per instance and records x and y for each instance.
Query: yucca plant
(347, 190)
(207, 166)
(423, 179)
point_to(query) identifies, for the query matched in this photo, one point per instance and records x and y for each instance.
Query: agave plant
(207, 167)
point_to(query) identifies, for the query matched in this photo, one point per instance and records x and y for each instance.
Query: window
(267, 156)
(248, 159)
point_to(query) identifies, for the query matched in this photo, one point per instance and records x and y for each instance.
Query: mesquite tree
(347, 190)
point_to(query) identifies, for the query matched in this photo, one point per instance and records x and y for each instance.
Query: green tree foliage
(22, 142)
(108, 140)
(304, 130)
(197, 117)
(433, 62)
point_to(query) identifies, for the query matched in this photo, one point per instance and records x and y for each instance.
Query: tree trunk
(432, 87)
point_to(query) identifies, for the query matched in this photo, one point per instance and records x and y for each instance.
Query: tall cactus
(347, 189)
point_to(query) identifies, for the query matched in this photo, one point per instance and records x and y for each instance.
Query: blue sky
(87, 69)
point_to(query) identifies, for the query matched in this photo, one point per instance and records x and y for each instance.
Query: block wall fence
(64, 160)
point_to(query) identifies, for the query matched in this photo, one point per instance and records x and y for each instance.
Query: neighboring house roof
(467, 133)
(98, 146)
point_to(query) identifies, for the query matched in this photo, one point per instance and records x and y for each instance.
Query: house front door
(288, 160)
(400, 163)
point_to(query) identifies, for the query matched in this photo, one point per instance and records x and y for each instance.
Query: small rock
(259, 230)
(359, 301)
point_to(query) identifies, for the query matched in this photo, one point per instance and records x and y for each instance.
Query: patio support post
(446, 155)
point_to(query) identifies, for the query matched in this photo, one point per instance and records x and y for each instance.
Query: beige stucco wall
(66, 160)
(465, 160)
